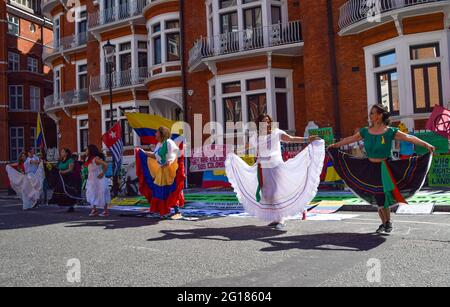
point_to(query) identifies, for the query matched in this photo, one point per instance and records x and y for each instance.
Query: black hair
(95, 152)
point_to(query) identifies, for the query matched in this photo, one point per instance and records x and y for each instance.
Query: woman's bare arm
(400, 136)
(347, 141)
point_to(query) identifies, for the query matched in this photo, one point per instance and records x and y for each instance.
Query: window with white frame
(16, 97)
(56, 31)
(127, 131)
(165, 41)
(228, 16)
(83, 134)
(125, 57)
(245, 98)
(426, 77)
(13, 25)
(410, 74)
(35, 98)
(82, 77)
(130, 54)
(387, 81)
(16, 142)
(57, 83)
(13, 61)
(32, 64)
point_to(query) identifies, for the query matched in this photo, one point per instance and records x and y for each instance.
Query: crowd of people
(272, 189)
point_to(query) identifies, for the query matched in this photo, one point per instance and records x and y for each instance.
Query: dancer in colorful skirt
(98, 194)
(27, 185)
(378, 179)
(161, 175)
(272, 189)
(68, 183)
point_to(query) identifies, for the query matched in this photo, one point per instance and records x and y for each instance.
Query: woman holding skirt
(272, 189)
(27, 186)
(161, 175)
(68, 187)
(378, 179)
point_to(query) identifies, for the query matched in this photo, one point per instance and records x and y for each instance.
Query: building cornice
(27, 15)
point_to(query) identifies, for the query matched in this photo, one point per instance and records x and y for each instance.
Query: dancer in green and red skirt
(378, 179)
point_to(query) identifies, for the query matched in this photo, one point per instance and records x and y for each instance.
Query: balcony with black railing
(120, 80)
(360, 15)
(65, 45)
(273, 37)
(104, 19)
(66, 100)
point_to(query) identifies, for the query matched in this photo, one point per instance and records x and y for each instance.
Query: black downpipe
(333, 68)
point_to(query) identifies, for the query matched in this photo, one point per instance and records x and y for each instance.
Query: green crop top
(379, 146)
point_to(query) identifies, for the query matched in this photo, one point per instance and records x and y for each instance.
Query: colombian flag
(39, 133)
(146, 125)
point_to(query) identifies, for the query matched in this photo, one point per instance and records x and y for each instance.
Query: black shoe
(71, 210)
(381, 229)
(273, 224)
(388, 227)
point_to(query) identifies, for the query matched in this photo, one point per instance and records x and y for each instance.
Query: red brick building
(24, 79)
(325, 61)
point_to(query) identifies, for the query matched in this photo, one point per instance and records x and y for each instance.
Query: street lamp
(109, 51)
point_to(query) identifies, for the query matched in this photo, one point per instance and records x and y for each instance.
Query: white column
(445, 54)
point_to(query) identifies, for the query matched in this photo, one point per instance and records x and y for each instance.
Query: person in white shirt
(32, 162)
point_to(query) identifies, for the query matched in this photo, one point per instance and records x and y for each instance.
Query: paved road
(35, 247)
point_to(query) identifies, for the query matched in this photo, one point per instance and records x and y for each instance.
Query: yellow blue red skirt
(162, 186)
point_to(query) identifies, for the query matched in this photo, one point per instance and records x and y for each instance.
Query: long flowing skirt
(28, 187)
(67, 191)
(162, 186)
(364, 178)
(98, 194)
(287, 189)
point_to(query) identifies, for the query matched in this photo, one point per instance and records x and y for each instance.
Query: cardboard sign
(439, 175)
(324, 133)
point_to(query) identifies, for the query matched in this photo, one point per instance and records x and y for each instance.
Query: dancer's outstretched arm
(400, 136)
(296, 139)
(347, 141)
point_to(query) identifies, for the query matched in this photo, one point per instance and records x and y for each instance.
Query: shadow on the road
(112, 223)
(243, 233)
(13, 217)
(326, 242)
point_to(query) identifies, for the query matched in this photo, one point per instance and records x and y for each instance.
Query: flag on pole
(146, 125)
(113, 140)
(39, 133)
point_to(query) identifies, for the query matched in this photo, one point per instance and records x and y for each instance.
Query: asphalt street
(37, 248)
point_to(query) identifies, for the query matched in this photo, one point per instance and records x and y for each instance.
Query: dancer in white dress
(98, 194)
(28, 186)
(272, 189)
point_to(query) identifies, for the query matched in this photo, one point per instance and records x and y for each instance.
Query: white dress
(28, 187)
(288, 186)
(97, 190)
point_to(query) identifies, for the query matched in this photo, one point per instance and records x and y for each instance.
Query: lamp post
(109, 51)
